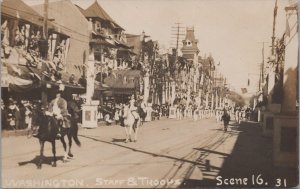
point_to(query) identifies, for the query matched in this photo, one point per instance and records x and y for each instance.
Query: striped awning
(18, 78)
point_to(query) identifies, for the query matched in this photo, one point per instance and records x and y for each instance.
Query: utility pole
(274, 24)
(44, 96)
(262, 65)
(177, 36)
(45, 26)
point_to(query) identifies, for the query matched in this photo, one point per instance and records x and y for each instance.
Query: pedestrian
(117, 115)
(28, 115)
(3, 115)
(225, 119)
(13, 115)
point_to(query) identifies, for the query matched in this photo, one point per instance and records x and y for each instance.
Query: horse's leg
(42, 143)
(70, 145)
(127, 135)
(136, 130)
(54, 153)
(62, 139)
(130, 130)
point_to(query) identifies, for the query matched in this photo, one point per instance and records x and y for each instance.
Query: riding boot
(58, 135)
(35, 132)
(135, 123)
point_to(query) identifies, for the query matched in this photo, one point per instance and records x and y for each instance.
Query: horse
(47, 132)
(129, 123)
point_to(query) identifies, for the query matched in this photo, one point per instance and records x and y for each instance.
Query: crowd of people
(18, 114)
(114, 113)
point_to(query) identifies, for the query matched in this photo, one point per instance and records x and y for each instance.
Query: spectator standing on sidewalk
(28, 114)
(13, 115)
(3, 115)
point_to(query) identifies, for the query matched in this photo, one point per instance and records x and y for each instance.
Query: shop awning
(122, 44)
(19, 78)
(24, 78)
(104, 42)
(130, 51)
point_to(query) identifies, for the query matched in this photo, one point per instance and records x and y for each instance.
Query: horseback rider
(58, 108)
(141, 107)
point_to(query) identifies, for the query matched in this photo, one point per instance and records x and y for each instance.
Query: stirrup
(58, 136)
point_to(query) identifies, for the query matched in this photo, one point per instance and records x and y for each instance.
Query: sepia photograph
(149, 94)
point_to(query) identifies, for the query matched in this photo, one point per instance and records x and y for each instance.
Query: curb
(23, 132)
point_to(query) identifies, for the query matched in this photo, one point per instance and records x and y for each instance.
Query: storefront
(118, 87)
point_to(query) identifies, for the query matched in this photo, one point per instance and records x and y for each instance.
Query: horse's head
(37, 115)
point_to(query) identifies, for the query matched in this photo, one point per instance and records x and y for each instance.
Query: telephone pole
(262, 65)
(45, 26)
(177, 35)
(44, 96)
(274, 24)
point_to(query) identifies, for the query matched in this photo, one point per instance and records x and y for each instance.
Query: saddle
(64, 120)
(135, 114)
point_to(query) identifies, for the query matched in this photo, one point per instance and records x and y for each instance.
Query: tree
(237, 98)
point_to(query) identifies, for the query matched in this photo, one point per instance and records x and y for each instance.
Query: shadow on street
(251, 155)
(46, 160)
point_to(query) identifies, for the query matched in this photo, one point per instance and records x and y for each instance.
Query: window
(189, 43)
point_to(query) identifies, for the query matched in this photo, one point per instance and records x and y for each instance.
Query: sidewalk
(251, 155)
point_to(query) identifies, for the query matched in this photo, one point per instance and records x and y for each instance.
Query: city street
(169, 153)
(173, 64)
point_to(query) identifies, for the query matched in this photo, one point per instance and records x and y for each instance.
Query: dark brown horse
(48, 130)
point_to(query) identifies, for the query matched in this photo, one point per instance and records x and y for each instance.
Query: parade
(213, 107)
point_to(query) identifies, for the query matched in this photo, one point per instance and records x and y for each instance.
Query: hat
(12, 102)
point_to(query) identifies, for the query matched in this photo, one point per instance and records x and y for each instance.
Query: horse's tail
(74, 133)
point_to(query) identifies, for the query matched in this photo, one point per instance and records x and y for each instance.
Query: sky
(232, 31)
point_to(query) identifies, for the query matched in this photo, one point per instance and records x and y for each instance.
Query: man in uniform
(58, 107)
(141, 105)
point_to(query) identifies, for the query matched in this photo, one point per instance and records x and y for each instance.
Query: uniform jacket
(62, 105)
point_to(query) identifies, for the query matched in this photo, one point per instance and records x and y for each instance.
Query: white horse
(129, 119)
